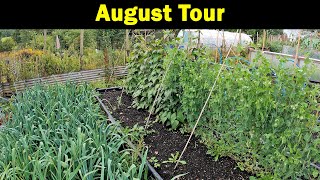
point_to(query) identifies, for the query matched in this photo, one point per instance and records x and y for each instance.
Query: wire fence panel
(7, 89)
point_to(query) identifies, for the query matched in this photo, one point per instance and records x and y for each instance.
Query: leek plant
(57, 132)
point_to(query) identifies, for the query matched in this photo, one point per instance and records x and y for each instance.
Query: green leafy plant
(155, 162)
(275, 46)
(260, 115)
(64, 136)
(136, 133)
(174, 159)
(313, 43)
(148, 62)
(7, 44)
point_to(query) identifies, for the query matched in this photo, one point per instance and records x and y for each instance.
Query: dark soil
(163, 142)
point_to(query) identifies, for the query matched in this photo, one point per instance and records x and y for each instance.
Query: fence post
(296, 59)
(81, 48)
(217, 46)
(127, 47)
(240, 37)
(45, 39)
(223, 46)
(198, 45)
(263, 40)
(106, 63)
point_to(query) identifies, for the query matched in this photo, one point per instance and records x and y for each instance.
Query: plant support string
(204, 106)
(158, 92)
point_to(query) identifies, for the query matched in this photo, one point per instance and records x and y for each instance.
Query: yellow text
(196, 14)
(132, 16)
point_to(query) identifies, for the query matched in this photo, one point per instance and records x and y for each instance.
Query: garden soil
(162, 142)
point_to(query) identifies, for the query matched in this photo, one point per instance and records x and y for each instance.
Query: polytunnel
(214, 38)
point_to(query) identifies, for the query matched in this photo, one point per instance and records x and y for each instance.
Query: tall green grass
(57, 132)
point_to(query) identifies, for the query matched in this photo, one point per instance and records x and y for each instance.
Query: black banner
(153, 14)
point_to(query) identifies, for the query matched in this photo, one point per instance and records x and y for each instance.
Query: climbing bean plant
(146, 70)
(263, 117)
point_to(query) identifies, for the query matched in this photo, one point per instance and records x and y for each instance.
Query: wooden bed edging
(111, 119)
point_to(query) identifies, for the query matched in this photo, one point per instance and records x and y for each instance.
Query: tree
(110, 38)
(6, 33)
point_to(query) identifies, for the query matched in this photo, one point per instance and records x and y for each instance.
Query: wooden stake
(1, 78)
(297, 50)
(127, 46)
(106, 58)
(263, 40)
(189, 40)
(37, 67)
(45, 39)
(234, 52)
(217, 47)
(223, 43)
(145, 35)
(239, 42)
(106, 66)
(81, 48)
(198, 39)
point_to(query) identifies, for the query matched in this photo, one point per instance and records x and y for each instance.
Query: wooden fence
(7, 89)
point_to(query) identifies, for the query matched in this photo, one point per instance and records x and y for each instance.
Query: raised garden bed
(163, 142)
(3, 115)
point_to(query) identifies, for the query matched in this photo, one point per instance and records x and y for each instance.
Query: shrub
(7, 44)
(275, 46)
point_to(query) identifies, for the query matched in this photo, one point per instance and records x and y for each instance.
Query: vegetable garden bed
(64, 136)
(264, 117)
(163, 143)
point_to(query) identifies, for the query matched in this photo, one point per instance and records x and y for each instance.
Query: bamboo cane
(297, 50)
(81, 48)
(217, 45)
(204, 106)
(263, 40)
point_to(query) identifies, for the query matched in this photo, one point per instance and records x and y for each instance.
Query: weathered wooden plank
(6, 88)
(1, 92)
(71, 78)
(77, 77)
